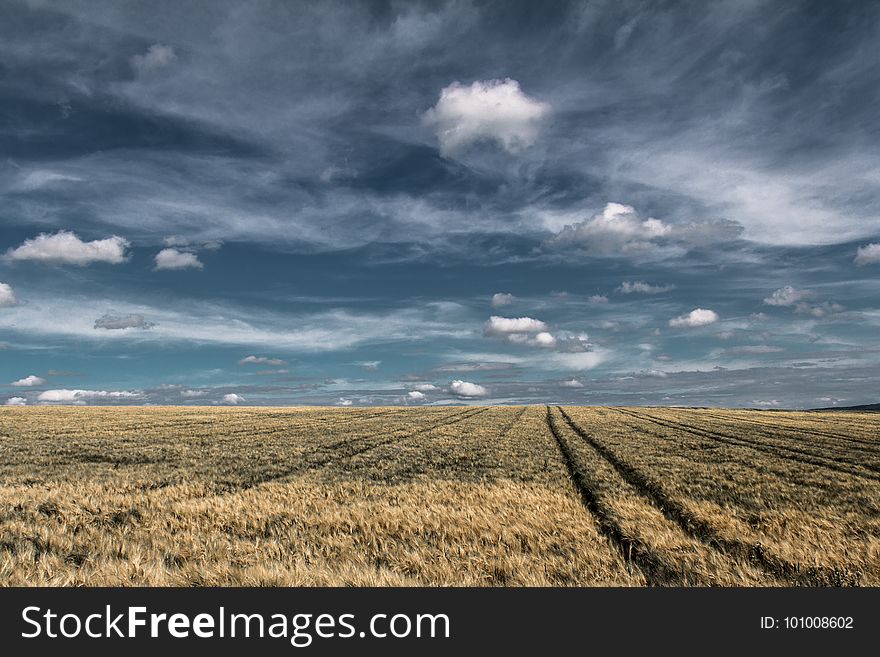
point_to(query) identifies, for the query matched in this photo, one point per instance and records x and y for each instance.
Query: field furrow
(656, 542)
(807, 435)
(837, 464)
(707, 532)
(780, 512)
(437, 496)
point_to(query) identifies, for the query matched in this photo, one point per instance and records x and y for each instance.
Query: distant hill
(862, 407)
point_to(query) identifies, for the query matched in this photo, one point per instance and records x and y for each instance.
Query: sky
(375, 203)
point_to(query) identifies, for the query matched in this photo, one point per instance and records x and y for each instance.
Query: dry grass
(437, 496)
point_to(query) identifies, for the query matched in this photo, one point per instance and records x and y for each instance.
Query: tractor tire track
(799, 456)
(315, 463)
(704, 532)
(633, 551)
(788, 428)
(738, 455)
(510, 425)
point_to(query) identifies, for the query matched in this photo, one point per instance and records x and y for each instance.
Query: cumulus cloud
(16, 401)
(620, 231)
(520, 330)
(157, 57)
(545, 339)
(415, 395)
(467, 389)
(65, 396)
(571, 383)
(369, 365)
(426, 387)
(66, 248)
(493, 110)
(118, 322)
(786, 296)
(542, 339)
(232, 398)
(7, 296)
(598, 299)
(641, 287)
(502, 299)
(171, 258)
(502, 326)
(261, 360)
(868, 254)
(344, 402)
(696, 317)
(28, 381)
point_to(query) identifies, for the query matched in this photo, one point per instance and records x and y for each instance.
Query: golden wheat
(449, 496)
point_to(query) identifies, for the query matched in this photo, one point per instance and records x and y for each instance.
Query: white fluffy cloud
(502, 326)
(157, 57)
(571, 383)
(64, 396)
(467, 389)
(598, 299)
(344, 402)
(786, 296)
(696, 317)
(868, 254)
(177, 259)
(426, 387)
(620, 231)
(494, 110)
(542, 339)
(119, 322)
(28, 381)
(261, 360)
(502, 299)
(66, 248)
(16, 401)
(232, 398)
(545, 339)
(415, 395)
(7, 296)
(641, 287)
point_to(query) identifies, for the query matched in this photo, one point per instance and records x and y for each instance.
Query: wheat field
(439, 496)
